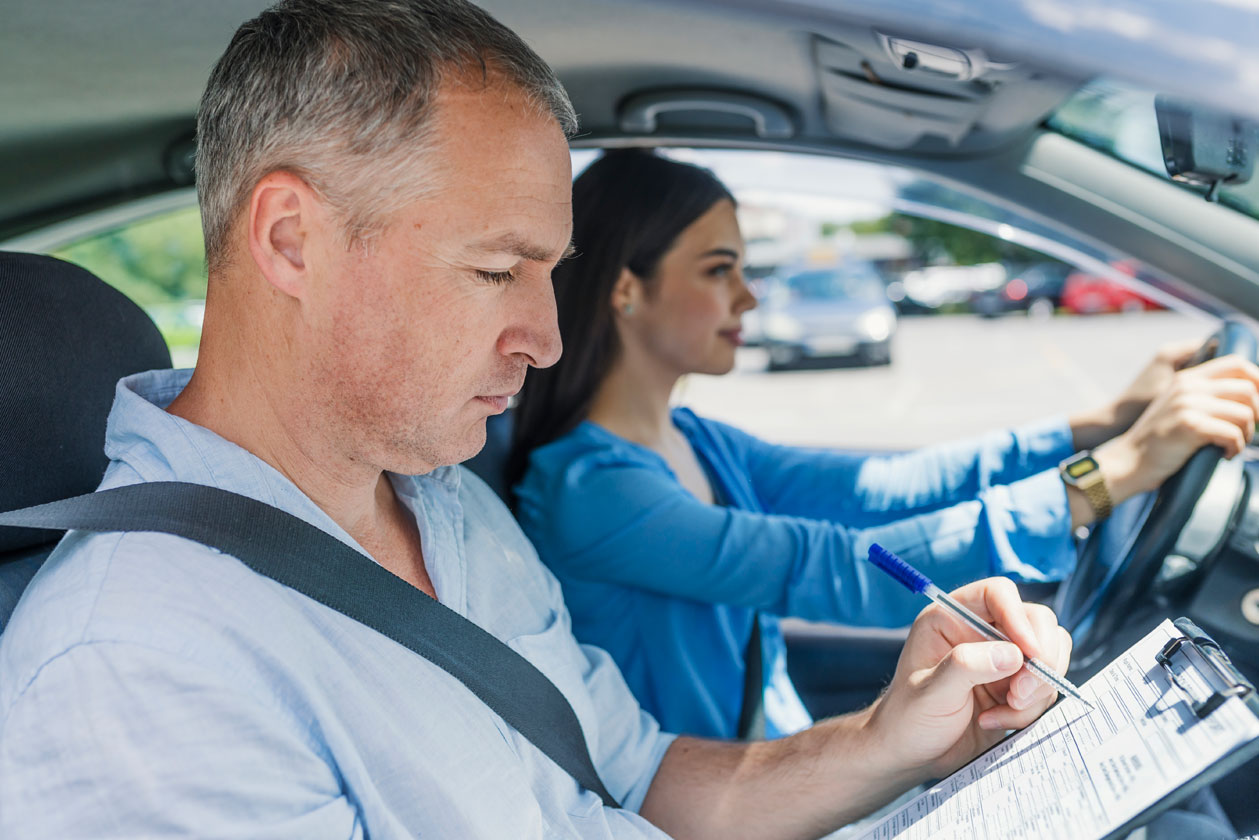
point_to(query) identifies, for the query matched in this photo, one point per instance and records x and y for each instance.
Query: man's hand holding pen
(954, 696)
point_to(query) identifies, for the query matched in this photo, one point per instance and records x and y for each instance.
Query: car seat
(66, 338)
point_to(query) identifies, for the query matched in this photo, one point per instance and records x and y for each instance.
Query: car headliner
(98, 97)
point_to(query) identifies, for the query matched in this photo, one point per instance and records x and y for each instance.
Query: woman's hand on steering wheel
(1214, 403)
(1207, 412)
(1155, 378)
(1092, 428)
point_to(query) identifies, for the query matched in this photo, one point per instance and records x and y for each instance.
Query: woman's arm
(633, 525)
(867, 490)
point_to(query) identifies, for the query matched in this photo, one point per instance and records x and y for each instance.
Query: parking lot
(950, 377)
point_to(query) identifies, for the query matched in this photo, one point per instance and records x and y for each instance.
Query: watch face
(1083, 466)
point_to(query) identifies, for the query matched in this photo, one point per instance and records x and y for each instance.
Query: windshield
(859, 283)
(1119, 119)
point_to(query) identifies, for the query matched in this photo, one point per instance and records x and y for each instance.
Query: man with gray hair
(385, 189)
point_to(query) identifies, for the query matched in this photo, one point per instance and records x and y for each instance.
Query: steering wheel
(1122, 556)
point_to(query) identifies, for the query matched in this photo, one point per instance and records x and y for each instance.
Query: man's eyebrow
(510, 243)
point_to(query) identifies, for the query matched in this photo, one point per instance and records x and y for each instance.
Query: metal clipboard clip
(1235, 685)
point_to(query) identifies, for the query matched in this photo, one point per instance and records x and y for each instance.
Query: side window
(895, 312)
(158, 262)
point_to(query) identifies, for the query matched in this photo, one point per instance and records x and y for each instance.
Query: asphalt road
(950, 377)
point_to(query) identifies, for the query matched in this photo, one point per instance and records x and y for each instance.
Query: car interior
(99, 101)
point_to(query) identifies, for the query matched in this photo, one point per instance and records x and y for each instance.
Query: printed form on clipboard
(1170, 717)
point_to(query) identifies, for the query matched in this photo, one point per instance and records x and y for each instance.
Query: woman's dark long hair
(629, 207)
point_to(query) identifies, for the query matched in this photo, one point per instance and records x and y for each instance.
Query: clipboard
(1173, 715)
(1227, 682)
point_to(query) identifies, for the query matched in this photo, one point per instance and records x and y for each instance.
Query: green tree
(160, 264)
(154, 261)
(934, 241)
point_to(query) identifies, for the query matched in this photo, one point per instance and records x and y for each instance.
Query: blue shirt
(669, 585)
(153, 687)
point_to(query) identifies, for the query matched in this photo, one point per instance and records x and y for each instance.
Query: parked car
(1091, 294)
(1032, 106)
(939, 287)
(903, 302)
(836, 312)
(1035, 289)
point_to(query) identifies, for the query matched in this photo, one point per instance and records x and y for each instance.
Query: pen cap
(898, 568)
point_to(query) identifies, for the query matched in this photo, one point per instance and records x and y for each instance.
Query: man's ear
(627, 293)
(282, 212)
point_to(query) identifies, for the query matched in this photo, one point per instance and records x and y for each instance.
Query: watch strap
(1091, 483)
(1095, 490)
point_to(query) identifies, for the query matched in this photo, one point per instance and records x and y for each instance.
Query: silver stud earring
(628, 309)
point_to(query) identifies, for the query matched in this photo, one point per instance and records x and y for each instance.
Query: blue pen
(916, 581)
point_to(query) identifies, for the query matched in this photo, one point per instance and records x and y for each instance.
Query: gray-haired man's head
(340, 92)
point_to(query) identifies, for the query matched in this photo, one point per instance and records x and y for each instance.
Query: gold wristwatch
(1082, 472)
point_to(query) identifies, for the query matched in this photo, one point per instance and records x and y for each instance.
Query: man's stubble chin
(417, 452)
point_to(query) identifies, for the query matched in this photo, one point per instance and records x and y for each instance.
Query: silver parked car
(841, 311)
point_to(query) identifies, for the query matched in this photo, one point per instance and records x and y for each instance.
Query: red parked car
(1087, 294)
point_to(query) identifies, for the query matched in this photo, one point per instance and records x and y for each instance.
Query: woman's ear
(627, 292)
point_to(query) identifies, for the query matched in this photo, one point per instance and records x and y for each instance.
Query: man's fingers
(995, 600)
(1034, 630)
(972, 664)
(1045, 624)
(1029, 696)
(1008, 717)
(1026, 688)
(1065, 646)
(1006, 607)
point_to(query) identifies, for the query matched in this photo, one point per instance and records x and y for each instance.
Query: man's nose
(534, 330)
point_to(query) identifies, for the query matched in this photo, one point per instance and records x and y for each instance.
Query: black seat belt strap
(299, 555)
(752, 712)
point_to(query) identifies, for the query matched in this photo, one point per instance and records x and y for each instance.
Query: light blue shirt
(153, 687)
(669, 585)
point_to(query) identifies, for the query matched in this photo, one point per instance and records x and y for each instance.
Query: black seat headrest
(66, 338)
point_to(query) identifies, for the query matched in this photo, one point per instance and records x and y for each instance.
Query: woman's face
(690, 320)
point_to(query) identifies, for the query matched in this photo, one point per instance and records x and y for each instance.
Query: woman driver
(679, 540)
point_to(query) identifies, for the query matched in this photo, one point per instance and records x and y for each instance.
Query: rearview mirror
(1205, 147)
